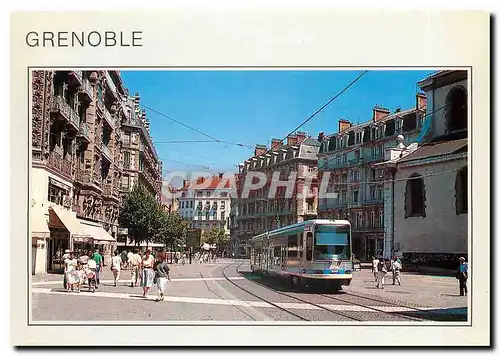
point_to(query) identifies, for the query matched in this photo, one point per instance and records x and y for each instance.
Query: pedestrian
(135, 263)
(97, 257)
(147, 273)
(65, 256)
(116, 267)
(463, 275)
(396, 270)
(123, 256)
(162, 273)
(375, 262)
(70, 265)
(382, 270)
(84, 258)
(130, 254)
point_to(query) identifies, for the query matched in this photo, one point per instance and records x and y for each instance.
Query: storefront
(102, 240)
(65, 233)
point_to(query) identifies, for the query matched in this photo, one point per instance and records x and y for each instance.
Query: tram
(310, 252)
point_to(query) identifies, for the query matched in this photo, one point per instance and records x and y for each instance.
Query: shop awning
(39, 227)
(97, 232)
(70, 222)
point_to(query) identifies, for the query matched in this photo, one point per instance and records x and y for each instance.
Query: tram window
(309, 246)
(277, 255)
(292, 246)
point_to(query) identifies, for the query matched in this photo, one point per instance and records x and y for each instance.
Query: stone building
(427, 181)
(349, 159)
(262, 210)
(206, 202)
(77, 163)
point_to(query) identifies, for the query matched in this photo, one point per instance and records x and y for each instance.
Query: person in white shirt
(116, 266)
(375, 267)
(135, 263)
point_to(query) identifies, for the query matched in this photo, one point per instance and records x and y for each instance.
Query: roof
(208, 183)
(433, 149)
(370, 122)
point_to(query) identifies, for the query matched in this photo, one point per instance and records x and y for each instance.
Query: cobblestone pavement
(228, 291)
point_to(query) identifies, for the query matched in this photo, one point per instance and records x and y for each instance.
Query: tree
(217, 237)
(169, 228)
(138, 214)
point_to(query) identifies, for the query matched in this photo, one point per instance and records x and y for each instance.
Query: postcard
(250, 178)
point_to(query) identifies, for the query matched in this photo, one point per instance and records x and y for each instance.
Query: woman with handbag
(162, 273)
(147, 273)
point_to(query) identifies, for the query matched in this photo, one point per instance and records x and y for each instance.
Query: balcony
(86, 90)
(83, 176)
(58, 163)
(354, 204)
(108, 118)
(107, 189)
(106, 152)
(84, 131)
(310, 212)
(374, 202)
(77, 76)
(100, 105)
(60, 107)
(111, 85)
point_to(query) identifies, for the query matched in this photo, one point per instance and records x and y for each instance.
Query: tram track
(283, 294)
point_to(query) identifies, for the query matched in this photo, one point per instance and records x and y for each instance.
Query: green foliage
(147, 221)
(216, 237)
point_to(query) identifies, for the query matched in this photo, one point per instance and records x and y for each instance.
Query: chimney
(421, 101)
(321, 136)
(398, 109)
(379, 113)
(184, 182)
(291, 140)
(275, 144)
(259, 150)
(301, 136)
(220, 175)
(344, 124)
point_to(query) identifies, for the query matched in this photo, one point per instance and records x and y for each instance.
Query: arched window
(415, 196)
(456, 109)
(461, 196)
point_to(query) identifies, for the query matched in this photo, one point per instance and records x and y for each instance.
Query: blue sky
(252, 107)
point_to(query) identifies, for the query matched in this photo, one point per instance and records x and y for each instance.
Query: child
(80, 276)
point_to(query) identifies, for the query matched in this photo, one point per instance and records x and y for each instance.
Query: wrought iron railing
(108, 118)
(60, 105)
(86, 88)
(60, 164)
(85, 130)
(107, 152)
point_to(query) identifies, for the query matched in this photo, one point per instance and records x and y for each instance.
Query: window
(190, 203)
(415, 196)
(56, 194)
(456, 109)
(309, 246)
(125, 182)
(410, 123)
(199, 193)
(223, 215)
(223, 205)
(126, 160)
(380, 219)
(461, 191)
(355, 196)
(207, 215)
(208, 193)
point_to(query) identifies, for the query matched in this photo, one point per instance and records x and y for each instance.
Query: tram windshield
(331, 242)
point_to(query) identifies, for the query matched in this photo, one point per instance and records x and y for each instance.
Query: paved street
(228, 291)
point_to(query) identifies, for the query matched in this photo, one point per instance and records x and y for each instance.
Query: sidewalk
(422, 290)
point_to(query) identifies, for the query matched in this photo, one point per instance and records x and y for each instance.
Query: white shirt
(135, 260)
(92, 264)
(130, 255)
(116, 262)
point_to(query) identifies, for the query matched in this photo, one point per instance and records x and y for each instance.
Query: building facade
(206, 203)
(262, 210)
(348, 162)
(429, 179)
(77, 163)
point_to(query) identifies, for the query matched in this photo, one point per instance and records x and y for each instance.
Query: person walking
(162, 273)
(135, 263)
(130, 254)
(116, 262)
(396, 270)
(147, 273)
(97, 257)
(462, 276)
(375, 262)
(382, 270)
(65, 256)
(70, 265)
